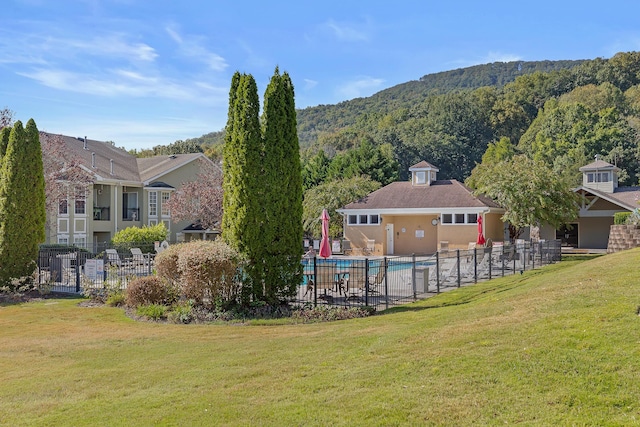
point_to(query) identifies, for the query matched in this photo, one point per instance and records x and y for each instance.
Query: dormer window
(423, 174)
(598, 177)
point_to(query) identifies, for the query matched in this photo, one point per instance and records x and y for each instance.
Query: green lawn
(555, 346)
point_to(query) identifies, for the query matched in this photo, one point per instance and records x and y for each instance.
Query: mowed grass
(556, 346)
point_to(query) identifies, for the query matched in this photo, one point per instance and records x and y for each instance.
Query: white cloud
(193, 47)
(500, 57)
(309, 84)
(125, 83)
(364, 86)
(348, 31)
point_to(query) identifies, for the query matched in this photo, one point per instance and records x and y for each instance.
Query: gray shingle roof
(124, 164)
(626, 197)
(598, 164)
(423, 165)
(151, 167)
(440, 194)
(126, 167)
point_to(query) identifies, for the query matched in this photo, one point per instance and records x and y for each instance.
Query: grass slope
(554, 346)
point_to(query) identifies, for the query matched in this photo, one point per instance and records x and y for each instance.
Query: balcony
(101, 213)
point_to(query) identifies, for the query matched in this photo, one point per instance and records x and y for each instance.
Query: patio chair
(326, 280)
(113, 258)
(356, 284)
(449, 269)
(139, 258)
(480, 267)
(376, 280)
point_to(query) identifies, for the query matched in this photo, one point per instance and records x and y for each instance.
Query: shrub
(208, 272)
(633, 218)
(142, 237)
(152, 311)
(166, 263)
(620, 218)
(148, 290)
(182, 313)
(110, 289)
(328, 314)
(115, 299)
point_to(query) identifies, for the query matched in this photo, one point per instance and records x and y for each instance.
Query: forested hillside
(564, 117)
(313, 121)
(564, 112)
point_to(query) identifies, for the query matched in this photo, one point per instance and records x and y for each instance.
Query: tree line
(560, 116)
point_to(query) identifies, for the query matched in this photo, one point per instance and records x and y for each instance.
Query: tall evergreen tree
(22, 211)
(34, 171)
(282, 180)
(242, 219)
(4, 140)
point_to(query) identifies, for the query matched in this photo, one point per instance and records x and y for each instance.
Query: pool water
(374, 265)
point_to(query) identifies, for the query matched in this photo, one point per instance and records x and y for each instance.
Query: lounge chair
(138, 257)
(326, 280)
(114, 259)
(377, 279)
(357, 283)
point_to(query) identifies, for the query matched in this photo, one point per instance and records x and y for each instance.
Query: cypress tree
(34, 172)
(22, 211)
(4, 140)
(282, 183)
(242, 218)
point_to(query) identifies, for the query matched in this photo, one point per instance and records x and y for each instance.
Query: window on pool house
(369, 219)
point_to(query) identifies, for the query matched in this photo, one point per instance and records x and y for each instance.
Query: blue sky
(143, 73)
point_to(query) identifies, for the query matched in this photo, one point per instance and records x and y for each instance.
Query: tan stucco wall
(458, 236)
(493, 227)
(406, 242)
(359, 234)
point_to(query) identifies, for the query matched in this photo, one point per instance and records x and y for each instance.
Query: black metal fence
(342, 281)
(73, 269)
(385, 281)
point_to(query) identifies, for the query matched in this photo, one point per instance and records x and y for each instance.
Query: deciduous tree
(333, 195)
(200, 200)
(529, 191)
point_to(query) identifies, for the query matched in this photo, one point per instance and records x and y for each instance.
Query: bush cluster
(197, 282)
(620, 218)
(329, 314)
(142, 237)
(204, 271)
(149, 290)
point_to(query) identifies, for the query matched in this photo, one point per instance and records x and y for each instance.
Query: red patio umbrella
(481, 240)
(325, 244)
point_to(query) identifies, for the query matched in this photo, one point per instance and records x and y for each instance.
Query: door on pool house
(568, 235)
(390, 241)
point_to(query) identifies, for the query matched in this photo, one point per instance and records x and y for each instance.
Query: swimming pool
(393, 265)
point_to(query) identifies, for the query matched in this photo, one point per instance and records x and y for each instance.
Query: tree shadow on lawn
(14, 298)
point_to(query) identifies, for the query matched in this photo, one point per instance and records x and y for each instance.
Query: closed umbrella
(481, 240)
(325, 244)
